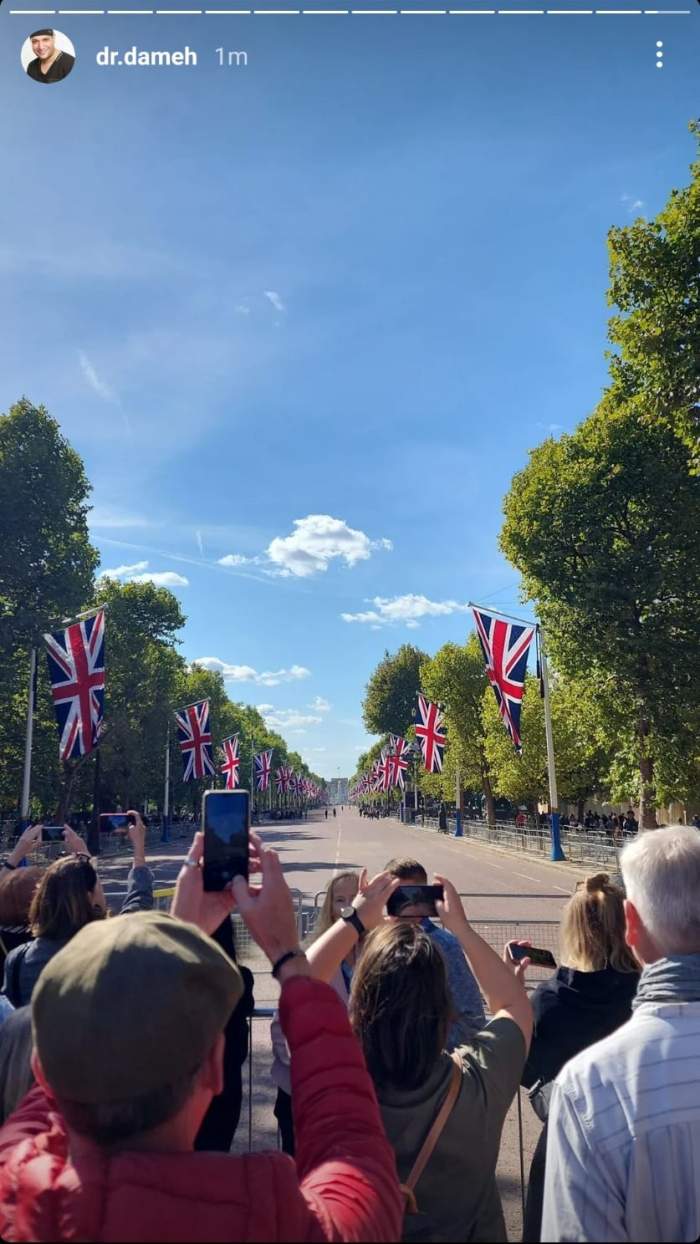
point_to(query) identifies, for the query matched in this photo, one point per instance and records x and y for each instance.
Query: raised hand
(450, 909)
(372, 897)
(206, 909)
(74, 842)
(268, 909)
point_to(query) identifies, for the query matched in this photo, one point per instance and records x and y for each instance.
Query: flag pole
(29, 734)
(556, 850)
(165, 836)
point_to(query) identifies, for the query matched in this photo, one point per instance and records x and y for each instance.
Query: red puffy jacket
(343, 1187)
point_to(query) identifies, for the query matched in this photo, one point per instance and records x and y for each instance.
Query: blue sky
(310, 315)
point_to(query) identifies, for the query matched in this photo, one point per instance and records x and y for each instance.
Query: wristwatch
(350, 916)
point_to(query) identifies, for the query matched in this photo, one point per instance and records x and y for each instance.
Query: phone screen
(110, 821)
(225, 818)
(408, 896)
(538, 958)
(52, 833)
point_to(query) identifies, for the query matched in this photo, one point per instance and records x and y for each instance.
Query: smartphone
(52, 833)
(538, 958)
(226, 826)
(411, 895)
(111, 821)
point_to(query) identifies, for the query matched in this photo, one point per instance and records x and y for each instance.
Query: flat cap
(132, 1004)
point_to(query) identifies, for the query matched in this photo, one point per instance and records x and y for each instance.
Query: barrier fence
(580, 846)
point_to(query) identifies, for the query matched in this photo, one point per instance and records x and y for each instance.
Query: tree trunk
(647, 784)
(580, 810)
(490, 800)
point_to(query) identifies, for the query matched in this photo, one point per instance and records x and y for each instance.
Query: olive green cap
(131, 1005)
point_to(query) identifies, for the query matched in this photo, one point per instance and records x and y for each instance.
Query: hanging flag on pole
(263, 767)
(505, 645)
(430, 732)
(231, 763)
(76, 658)
(194, 739)
(283, 777)
(398, 756)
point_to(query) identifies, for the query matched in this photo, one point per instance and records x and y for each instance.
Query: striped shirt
(623, 1150)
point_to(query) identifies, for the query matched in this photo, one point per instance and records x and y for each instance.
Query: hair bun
(601, 881)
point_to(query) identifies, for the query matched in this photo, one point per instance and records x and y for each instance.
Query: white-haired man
(623, 1151)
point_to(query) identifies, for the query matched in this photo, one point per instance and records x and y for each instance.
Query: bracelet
(289, 954)
(7, 864)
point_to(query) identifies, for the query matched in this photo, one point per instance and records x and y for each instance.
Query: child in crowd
(339, 895)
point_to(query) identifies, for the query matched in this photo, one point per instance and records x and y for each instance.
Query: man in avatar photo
(50, 63)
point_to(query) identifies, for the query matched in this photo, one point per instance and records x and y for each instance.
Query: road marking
(337, 849)
(527, 876)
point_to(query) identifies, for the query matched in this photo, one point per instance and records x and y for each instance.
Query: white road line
(528, 876)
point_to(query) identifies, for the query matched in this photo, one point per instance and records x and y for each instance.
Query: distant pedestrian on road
(334, 811)
(325, 813)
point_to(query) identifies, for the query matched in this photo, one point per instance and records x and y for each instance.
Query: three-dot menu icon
(659, 54)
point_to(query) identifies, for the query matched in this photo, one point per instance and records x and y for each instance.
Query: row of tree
(604, 527)
(47, 573)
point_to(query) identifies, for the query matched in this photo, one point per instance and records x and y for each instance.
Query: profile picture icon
(47, 55)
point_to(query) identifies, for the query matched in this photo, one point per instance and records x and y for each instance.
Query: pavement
(507, 895)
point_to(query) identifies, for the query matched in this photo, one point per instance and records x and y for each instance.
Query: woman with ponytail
(588, 998)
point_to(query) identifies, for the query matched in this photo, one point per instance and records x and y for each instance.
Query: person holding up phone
(589, 996)
(128, 1026)
(68, 896)
(467, 1004)
(400, 1009)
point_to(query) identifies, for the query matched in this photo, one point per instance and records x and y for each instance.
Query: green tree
(390, 695)
(143, 671)
(655, 283)
(604, 526)
(585, 743)
(456, 676)
(46, 573)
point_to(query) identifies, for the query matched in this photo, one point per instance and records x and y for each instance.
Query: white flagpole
(556, 852)
(165, 837)
(29, 734)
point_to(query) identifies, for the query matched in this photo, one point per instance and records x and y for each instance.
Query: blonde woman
(589, 997)
(339, 895)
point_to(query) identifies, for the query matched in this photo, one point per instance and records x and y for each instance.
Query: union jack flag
(76, 658)
(505, 646)
(231, 762)
(263, 765)
(430, 732)
(398, 756)
(194, 737)
(283, 777)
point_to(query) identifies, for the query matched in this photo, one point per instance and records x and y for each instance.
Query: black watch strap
(353, 919)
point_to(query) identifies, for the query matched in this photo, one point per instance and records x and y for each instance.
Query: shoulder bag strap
(435, 1132)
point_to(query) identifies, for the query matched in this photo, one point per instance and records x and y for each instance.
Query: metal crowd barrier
(580, 846)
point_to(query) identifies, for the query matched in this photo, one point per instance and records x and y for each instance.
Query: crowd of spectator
(399, 1045)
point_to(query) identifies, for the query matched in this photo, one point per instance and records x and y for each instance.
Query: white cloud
(98, 385)
(122, 571)
(160, 578)
(200, 542)
(317, 749)
(235, 559)
(404, 609)
(632, 204)
(286, 718)
(246, 673)
(316, 541)
(273, 297)
(138, 572)
(242, 309)
(319, 705)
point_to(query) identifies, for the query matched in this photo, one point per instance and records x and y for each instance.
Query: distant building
(338, 790)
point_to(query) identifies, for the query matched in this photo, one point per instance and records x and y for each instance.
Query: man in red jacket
(128, 1035)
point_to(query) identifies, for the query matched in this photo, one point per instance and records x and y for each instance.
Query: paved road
(312, 851)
